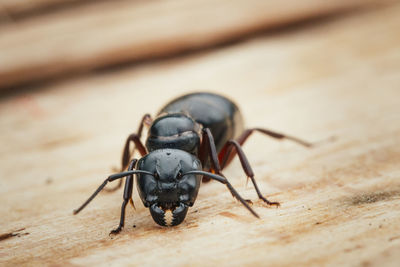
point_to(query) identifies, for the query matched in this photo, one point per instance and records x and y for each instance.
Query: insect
(192, 139)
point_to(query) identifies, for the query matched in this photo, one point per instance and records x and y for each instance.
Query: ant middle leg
(126, 154)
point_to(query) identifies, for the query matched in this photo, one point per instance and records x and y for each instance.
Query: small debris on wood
(12, 234)
(49, 180)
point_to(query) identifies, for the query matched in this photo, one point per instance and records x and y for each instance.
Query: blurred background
(76, 77)
(46, 40)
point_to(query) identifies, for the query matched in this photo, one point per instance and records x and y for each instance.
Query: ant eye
(156, 175)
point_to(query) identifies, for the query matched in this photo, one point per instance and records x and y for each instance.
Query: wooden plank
(19, 8)
(111, 33)
(339, 200)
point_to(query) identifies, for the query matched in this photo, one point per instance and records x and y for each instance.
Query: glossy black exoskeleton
(192, 139)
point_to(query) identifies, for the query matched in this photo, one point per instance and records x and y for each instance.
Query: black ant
(186, 143)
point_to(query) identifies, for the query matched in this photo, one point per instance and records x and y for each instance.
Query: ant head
(175, 130)
(168, 190)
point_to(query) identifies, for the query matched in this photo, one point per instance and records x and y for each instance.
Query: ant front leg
(127, 198)
(225, 181)
(127, 192)
(232, 144)
(209, 151)
(135, 138)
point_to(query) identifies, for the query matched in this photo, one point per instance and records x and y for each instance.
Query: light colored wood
(13, 8)
(21, 9)
(340, 200)
(111, 32)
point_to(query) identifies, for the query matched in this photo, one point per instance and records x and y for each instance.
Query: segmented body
(212, 111)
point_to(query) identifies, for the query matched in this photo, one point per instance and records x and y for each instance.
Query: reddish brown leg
(126, 154)
(242, 138)
(235, 146)
(207, 152)
(208, 144)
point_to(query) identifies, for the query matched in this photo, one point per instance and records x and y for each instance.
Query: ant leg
(127, 198)
(208, 151)
(135, 138)
(246, 167)
(225, 181)
(243, 137)
(208, 141)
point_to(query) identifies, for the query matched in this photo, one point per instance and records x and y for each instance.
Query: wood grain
(339, 200)
(12, 10)
(110, 33)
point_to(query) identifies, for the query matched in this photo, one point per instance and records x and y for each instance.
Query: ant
(193, 138)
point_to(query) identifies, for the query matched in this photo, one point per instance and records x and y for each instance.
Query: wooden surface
(109, 33)
(340, 200)
(11, 10)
